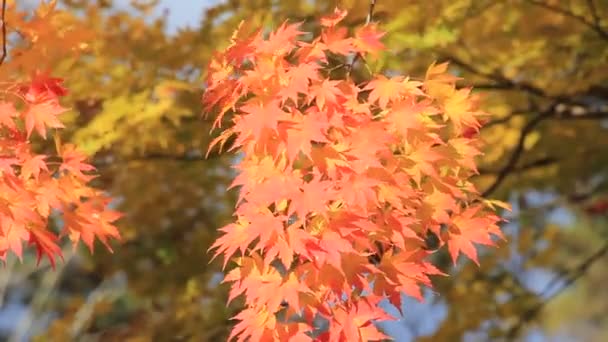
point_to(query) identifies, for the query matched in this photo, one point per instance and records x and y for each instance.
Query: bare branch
(501, 82)
(569, 277)
(370, 13)
(368, 20)
(593, 10)
(542, 162)
(592, 25)
(517, 152)
(156, 156)
(3, 32)
(583, 116)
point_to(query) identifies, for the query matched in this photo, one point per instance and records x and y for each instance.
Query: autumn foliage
(340, 183)
(37, 188)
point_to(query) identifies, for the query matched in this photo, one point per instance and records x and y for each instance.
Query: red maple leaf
(334, 18)
(41, 116)
(468, 228)
(367, 39)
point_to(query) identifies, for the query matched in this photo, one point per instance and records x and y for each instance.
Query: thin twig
(370, 13)
(593, 10)
(592, 25)
(505, 83)
(570, 278)
(542, 162)
(368, 20)
(516, 154)
(3, 33)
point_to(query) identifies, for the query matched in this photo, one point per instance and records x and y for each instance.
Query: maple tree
(340, 181)
(37, 188)
(134, 108)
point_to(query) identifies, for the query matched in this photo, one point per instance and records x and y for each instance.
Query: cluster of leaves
(340, 181)
(36, 188)
(515, 52)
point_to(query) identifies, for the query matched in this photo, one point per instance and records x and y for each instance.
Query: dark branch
(569, 277)
(158, 156)
(583, 116)
(519, 148)
(3, 32)
(370, 13)
(501, 82)
(514, 113)
(593, 10)
(368, 20)
(528, 166)
(592, 25)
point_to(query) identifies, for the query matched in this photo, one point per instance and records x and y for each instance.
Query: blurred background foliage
(135, 87)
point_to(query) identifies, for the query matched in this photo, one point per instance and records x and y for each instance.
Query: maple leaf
(48, 195)
(302, 130)
(311, 52)
(254, 325)
(472, 229)
(325, 93)
(12, 237)
(7, 163)
(465, 152)
(8, 113)
(243, 44)
(359, 191)
(298, 79)
(46, 244)
(334, 246)
(259, 116)
(263, 225)
(313, 199)
(334, 18)
(301, 242)
(33, 166)
(367, 39)
(331, 159)
(385, 89)
(337, 41)
(407, 116)
(88, 222)
(74, 162)
(458, 109)
(42, 116)
(290, 291)
(354, 323)
(366, 154)
(437, 83)
(260, 174)
(42, 88)
(280, 41)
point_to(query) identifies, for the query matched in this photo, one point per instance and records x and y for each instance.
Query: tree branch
(592, 25)
(370, 12)
(3, 32)
(501, 82)
(158, 156)
(583, 116)
(593, 10)
(368, 20)
(519, 148)
(570, 278)
(528, 166)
